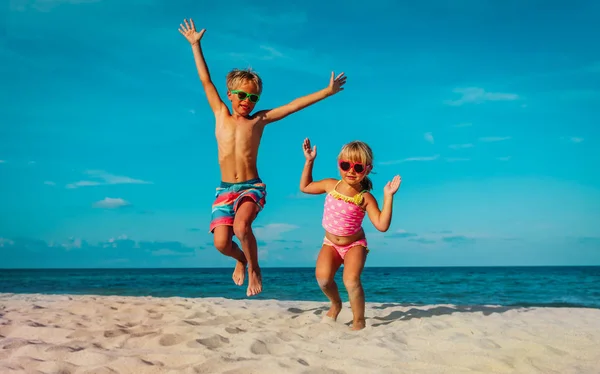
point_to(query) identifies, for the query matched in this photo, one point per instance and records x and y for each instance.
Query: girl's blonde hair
(357, 151)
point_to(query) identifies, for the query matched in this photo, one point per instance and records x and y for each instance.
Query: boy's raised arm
(188, 30)
(335, 85)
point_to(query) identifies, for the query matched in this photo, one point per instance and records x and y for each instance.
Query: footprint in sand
(259, 348)
(127, 325)
(170, 339)
(556, 351)
(213, 342)
(487, 343)
(64, 348)
(31, 360)
(140, 334)
(198, 315)
(11, 367)
(287, 336)
(115, 333)
(15, 343)
(35, 324)
(234, 330)
(155, 315)
(152, 363)
(193, 323)
(66, 368)
(102, 370)
(209, 366)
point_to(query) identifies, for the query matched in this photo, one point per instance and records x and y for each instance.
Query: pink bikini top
(343, 215)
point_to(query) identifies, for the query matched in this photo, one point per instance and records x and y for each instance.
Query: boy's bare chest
(238, 130)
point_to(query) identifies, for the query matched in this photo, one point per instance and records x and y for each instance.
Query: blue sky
(489, 110)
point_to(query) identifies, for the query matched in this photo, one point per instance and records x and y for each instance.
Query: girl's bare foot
(358, 324)
(239, 273)
(254, 282)
(334, 311)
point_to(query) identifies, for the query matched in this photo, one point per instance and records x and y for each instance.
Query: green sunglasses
(243, 95)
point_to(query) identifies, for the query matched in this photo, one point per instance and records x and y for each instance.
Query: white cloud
(464, 124)
(83, 184)
(2, 162)
(461, 146)
(489, 139)
(476, 95)
(506, 158)
(265, 53)
(428, 137)
(71, 243)
(5, 242)
(49, 183)
(111, 203)
(444, 236)
(273, 231)
(31, 162)
(305, 60)
(114, 243)
(272, 53)
(575, 139)
(423, 158)
(456, 159)
(104, 178)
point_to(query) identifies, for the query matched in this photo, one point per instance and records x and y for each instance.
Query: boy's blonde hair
(357, 151)
(238, 76)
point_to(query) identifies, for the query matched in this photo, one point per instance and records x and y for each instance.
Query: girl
(346, 202)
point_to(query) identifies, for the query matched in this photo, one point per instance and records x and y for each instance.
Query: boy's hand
(309, 154)
(335, 85)
(189, 31)
(392, 186)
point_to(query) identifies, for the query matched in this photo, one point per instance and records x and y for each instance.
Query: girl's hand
(309, 154)
(392, 186)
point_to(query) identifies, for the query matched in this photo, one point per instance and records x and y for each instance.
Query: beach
(118, 334)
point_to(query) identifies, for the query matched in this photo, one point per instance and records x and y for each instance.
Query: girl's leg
(354, 262)
(328, 263)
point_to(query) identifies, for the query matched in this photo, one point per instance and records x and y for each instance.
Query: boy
(242, 195)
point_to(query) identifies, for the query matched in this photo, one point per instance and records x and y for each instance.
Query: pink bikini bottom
(343, 249)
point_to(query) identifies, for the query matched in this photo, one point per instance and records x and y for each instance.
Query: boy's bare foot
(334, 311)
(358, 325)
(254, 282)
(239, 273)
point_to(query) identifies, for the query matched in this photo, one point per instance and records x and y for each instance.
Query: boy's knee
(222, 244)
(242, 229)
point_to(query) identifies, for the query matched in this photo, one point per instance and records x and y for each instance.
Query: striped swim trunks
(228, 197)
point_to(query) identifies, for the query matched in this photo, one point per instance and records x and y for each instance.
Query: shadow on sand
(416, 312)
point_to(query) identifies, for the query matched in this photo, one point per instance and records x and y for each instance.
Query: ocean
(507, 286)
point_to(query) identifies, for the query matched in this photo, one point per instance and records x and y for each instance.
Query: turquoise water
(509, 286)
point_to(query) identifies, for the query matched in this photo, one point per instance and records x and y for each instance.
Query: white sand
(88, 334)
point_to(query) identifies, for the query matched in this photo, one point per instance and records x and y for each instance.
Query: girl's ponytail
(366, 184)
